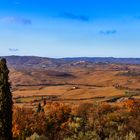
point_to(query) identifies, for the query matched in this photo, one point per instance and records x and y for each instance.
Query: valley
(72, 81)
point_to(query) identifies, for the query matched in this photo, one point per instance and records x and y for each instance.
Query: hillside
(37, 70)
(72, 79)
(35, 62)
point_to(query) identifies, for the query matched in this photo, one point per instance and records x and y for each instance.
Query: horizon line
(70, 57)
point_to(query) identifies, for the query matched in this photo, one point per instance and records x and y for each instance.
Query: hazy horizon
(71, 57)
(58, 28)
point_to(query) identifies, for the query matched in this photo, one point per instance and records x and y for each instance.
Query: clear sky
(70, 28)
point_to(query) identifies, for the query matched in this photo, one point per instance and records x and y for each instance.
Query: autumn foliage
(58, 121)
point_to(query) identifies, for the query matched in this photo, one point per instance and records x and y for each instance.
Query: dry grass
(93, 83)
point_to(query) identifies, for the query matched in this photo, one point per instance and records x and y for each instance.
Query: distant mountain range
(31, 70)
(35, 62)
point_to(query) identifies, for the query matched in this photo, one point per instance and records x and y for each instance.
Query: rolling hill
(73, 78)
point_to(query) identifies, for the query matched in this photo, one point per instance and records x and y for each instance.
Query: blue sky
(70, 28)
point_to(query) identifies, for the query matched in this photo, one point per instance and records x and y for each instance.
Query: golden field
(96, 82)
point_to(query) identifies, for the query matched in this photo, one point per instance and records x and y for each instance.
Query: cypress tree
(39, 108)
(5, 103)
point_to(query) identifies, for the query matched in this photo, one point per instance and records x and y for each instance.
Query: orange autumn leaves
(59, 120)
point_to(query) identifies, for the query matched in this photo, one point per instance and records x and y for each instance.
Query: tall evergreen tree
(39, 108)
(5, 103)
